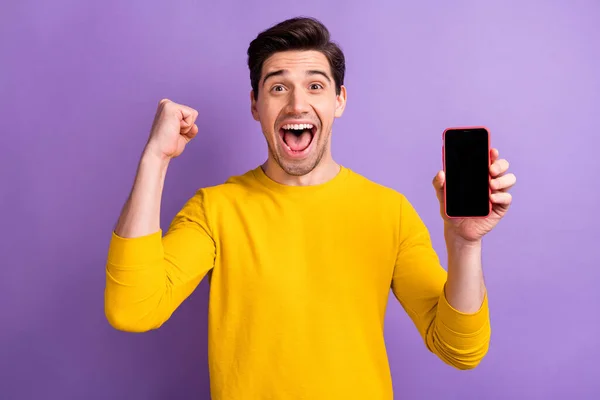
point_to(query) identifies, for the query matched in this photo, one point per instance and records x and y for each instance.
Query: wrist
(455, 241)
(151, 157)
(153, 167)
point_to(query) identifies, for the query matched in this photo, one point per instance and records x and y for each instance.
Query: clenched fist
(173, 127)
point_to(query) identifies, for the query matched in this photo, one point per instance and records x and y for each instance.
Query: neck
(326, 170)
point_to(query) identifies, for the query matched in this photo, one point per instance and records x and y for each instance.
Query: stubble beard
(301, 167)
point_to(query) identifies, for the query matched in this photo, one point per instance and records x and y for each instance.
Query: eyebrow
(282, 72)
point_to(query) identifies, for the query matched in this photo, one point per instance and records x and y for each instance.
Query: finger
(192, 132)
(503, 182)
(438, 184)
(501, 198)
(499, 167)
(189, 116)
(438, 180)
(494, 154)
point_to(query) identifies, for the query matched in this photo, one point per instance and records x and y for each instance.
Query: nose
(298, 102)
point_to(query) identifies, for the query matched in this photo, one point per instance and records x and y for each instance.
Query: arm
(430, 296)
(141, 213)
(465, 288)
(147, 275)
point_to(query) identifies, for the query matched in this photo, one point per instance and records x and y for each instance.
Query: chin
(297, 169)
(295, 164)
(298, 146)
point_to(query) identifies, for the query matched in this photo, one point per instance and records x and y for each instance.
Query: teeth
(298, 126)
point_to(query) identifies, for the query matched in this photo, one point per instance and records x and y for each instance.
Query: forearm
(465, 287)
(141, 213)
(462, 330)
(135, 280)
(448, 307)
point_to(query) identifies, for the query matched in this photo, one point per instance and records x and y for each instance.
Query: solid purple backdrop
(79, 83)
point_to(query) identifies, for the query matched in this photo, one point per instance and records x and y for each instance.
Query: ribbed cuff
(133, 252)
(455, 324)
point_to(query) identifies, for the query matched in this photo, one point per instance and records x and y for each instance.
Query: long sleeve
(148, 277)
(459, 339)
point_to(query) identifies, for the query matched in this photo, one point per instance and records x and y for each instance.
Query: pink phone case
(444, 165)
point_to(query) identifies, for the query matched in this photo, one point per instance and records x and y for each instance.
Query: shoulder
(206, 201)
(375, 191)
(236, 187)
(387, 206)
(390, 201)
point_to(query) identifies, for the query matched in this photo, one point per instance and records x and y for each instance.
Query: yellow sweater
(300, 278)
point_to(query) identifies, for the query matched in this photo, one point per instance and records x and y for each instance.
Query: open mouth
(297, 137)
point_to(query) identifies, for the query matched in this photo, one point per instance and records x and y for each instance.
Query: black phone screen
(466, 159)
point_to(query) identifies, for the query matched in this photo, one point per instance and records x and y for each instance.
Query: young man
(302, 252)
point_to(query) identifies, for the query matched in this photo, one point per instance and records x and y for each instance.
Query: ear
(253, 108)
(340, 102)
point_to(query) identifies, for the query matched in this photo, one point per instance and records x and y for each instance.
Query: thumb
(438, 184)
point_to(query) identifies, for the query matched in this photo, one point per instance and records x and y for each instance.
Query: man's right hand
(173, 127)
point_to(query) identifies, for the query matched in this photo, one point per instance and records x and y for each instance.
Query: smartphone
(466, 162)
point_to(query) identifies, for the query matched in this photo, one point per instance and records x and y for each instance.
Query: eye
(277, 88)
(316, 86)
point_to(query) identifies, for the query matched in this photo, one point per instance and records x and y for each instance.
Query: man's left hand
(473, 229)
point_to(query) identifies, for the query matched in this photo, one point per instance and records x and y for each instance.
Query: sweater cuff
(134, 252)
(456, 323)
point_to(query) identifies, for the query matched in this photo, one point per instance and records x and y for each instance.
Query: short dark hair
(300, 33)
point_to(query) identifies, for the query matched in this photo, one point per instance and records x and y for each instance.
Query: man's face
(296, 106)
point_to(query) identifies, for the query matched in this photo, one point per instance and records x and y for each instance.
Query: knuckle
(167, 106)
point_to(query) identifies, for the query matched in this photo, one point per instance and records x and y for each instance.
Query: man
(302, 252)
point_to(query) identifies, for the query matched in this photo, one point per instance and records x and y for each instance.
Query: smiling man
(302, 252)
(296, 95)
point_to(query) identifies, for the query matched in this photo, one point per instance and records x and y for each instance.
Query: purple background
(79, 83)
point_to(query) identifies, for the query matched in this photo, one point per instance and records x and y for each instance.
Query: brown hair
(300, 33)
